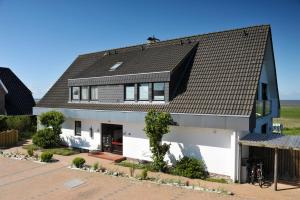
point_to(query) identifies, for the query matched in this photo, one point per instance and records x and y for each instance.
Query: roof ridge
(173, 39)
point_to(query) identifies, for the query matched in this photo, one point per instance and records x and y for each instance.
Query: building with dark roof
(218, 87)
(15, 97)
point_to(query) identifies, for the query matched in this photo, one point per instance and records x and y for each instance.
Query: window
(85, 93)
(158, 91)
(75, 93)
(264, 91)
(78, 128)
(129, 92)
(143, 91)
(115, 66)
(94, 93)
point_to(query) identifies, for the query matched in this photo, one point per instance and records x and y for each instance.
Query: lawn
(64, 151)
(290, 118)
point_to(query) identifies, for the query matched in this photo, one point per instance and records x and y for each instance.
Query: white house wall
(85, 141)
(214, 146)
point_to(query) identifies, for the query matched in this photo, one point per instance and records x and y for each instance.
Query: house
(218, 88)
(15, 97)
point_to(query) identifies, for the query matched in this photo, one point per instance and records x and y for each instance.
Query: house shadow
(189, 151)
(76, 142)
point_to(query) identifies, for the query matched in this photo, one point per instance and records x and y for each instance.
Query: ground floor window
(78, 128)
(264, 129)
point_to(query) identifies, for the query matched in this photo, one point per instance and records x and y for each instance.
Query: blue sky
(40, 39)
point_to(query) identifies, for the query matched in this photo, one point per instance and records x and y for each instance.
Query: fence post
(275, 168)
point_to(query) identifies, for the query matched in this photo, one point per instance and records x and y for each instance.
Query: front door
(112, 138)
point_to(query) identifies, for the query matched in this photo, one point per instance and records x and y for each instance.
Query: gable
(18, 98)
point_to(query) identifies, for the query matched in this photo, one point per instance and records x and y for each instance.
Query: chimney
(152, 40)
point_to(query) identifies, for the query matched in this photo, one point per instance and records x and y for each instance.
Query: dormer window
(94, 93)
(85, 93)
(115, 66)
(129, 92)
(75, 93)
(143, 91)
(158, 91)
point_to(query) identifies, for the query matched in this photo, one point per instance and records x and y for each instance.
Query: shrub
(20, 123)
(3, 124)
(30, 152)
(78, 162)
(96, 166)
(46, 156)
(144, 174)
(190, 167)
(157, 125)
(46, 138)
(53, 119)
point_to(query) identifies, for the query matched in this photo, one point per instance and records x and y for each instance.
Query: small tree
(49, 136)
(157, 125)
(53, 119)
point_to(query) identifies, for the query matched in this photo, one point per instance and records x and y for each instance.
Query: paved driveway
(28, 180)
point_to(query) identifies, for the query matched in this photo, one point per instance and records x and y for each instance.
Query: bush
(3, 124)
(30, 152)
(190, 168)
(46, 156)
(78, 162)
(144, 174)
(95, 166)
(53, 119)
(157, 125)
(46, 138)
(20, 123)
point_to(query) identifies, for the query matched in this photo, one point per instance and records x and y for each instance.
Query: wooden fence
(288, 162)
(8, 138)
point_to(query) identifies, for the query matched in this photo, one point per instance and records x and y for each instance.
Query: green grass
(29, 146)
(292, 112)
(217, 180)
(290, 118)
(125, 163)
(64, 151)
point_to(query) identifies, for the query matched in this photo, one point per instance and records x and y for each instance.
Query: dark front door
(112, 138)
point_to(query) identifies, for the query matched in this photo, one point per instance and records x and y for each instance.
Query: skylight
(115, 66)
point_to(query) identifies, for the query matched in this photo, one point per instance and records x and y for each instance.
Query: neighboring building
(15, 97)
(218, 87)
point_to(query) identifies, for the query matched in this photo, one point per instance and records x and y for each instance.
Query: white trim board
(3, 86)
(239, 123)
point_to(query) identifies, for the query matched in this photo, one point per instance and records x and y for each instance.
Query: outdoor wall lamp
(91, 132)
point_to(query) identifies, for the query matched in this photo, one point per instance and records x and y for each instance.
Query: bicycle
(257, 174)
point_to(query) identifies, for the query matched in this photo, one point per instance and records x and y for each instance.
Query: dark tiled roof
(222, 78)
(18, 100)
(151, 59)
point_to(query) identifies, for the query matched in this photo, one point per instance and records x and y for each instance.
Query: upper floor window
(158, 91)
(264, 90)
(143, 91)
(129, 92)
(94, 92)
(75, 93)
(85, 93)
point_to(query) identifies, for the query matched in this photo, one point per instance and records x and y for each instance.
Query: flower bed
(154, 180)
